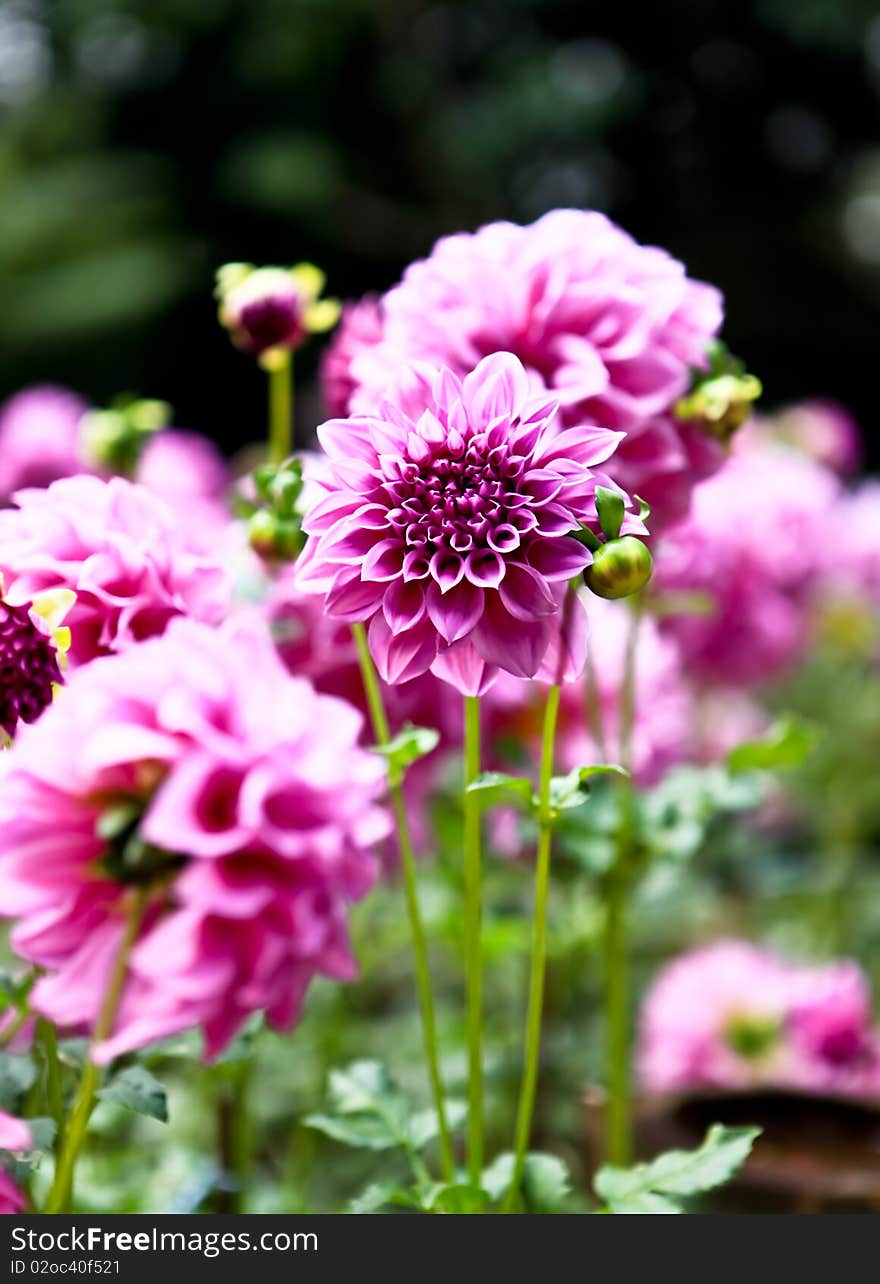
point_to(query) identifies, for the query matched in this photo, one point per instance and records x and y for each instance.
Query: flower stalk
(534, 1015)
(381, 731)
(473, 914)
(281, 432)
(61, 1194)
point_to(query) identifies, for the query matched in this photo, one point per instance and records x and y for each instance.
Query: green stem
(473, 938)
(61, 1195)
(619, 1122)
(48, 1039)
(280, 408)
(381, 731)
(539, 953)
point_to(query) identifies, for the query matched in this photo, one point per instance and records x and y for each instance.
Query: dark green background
(143, 143)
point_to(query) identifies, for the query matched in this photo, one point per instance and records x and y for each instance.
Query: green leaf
(457, 1198)
(424, 1125)
(364, 1108)
(545, 1181)
(644, 507)
(786, 744)
(407, 747)
(497, 789)
(573, 789)
(610, 507)
(677, 1174)
(17, 1073)
(379, 1195)
(136, 1089)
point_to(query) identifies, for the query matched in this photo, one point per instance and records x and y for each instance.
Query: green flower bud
(620, 568)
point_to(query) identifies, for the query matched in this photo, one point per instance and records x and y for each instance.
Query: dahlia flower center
(456, 502)
(28, 667)
(752, 1037)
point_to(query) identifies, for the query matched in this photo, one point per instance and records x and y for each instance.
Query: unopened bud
(620, 568)
(271, 311)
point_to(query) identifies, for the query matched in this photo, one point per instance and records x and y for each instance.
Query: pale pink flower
(195, 766)
(823, 430)
(39, 438)
(360, 326)
(612, 329)
(449, 523)
(747, 556)
(731, 1016)
(118, 547)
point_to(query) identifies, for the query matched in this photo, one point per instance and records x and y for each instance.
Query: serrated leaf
(17, 1073)
(786, 744)
(424, 1125)
(407, 747)
(545, 1181)
(137, 1090)
(677, 1174)
(496, 788)
(610, 507)
(363, 1132)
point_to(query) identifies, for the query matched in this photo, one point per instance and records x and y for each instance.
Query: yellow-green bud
(620, 568)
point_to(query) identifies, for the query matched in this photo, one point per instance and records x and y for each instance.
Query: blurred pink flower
(360, 327)
(182, 467)
(731, 1016)
(39, 438)
(589, 717)
(119, 548)
(610, 327)
(751, 547)
(852, 555)
(823, 430)
(14, 1135)
(448, 525)
(195, 766)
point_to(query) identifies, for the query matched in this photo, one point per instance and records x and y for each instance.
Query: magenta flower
(611, 328)
(14, 1135)
(271, 310)
(449, 525)
(39, 438)
(750, 549)
(360, 327)
(823, 430)
(29, 667)
(194, 767)
(731, 1016)
(119, 548)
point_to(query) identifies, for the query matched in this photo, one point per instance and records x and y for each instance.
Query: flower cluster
(731, 1016)
(120, 550)
(230, 795)
(612, 329)
(746, 559)
(450, 523)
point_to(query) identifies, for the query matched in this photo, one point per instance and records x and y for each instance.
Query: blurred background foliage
(142, 143)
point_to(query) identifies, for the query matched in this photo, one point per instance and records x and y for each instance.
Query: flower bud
(114, 439)
(271, 311)
(719, 406)
(620, 568)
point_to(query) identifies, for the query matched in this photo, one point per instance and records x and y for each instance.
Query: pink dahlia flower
(39, 438)
(852, 554)
(611, 328)
(448, 524)
(118, 547)
(183, 467)
(192, 767)
(14, 1135)
(360, 327)
(730, 1016)
(751, 548)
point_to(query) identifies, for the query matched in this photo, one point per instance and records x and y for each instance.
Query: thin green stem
(48, 1040)
(381, 731)
(535, 1011)
(280, 408)
(473, 913)
(61, 1194)
(619, 1121)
